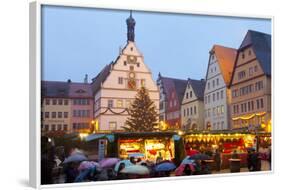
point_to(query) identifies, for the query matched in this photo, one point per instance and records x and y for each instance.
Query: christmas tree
(143, 115)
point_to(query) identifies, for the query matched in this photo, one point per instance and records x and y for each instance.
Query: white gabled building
(217, 95)
(192, 106)
(115, 87)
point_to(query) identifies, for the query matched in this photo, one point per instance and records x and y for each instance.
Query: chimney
(86, 79)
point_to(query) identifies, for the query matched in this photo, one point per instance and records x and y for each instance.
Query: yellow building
(251, 84)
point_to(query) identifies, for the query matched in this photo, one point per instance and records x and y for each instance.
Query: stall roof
(143, 134)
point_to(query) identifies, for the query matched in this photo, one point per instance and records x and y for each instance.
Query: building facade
(55, 108)
(66, 107)
(251, 84)
(115, 87)
(217, 96)
(192, 106)
(171, 95)
(81, 104)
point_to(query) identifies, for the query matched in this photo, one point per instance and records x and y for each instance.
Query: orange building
(251, 84)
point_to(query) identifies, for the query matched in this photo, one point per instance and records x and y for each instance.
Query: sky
(79, 41)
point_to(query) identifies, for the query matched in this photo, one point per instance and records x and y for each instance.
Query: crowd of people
(76, 167)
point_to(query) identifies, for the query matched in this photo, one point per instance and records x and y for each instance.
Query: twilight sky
(79, 41)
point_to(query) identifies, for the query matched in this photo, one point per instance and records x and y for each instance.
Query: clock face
(131, 59)
(131, 75)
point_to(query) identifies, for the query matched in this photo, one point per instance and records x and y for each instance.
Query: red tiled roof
(226, 58)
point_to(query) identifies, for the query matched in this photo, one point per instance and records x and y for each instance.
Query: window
(125, 63)
(251, 71)
(209, 98)
(218, 110)
(65, 127)
(211, 70)
(54, 114)
(213, 83)
(54, 101)
(218, 125)
(132, 48)
(249, 52)
(243, 55)
(110, 103)
(215, 68)
(249, 106)
(259, 85)
(242, 108)
(214, 97)
(252, 103)
(47, 114)
(218, 95)
(217, 81)
(222, 94)
(138, 64)
(53, 127)
(59, 128)
(261, 102)
(46, 127)
(191, 111)
(184, 112)
(65, 102)
(222, 109)
(119, 103)
(195, 110)
(47, 101)
(206, 99)
(175, 102)
(65, 114)
(131, 68)
(241, 75)
(245, 107)
(60, 101)
(112, 125)
(59, 114)
(256, 68)
(128, 104)
(214, 111)
(208, 85)
(209, 112)
(215, 125)
(186, 95)
(120, 80)
(143, 82)
(222, 124)
(190, 94)
(187, 111)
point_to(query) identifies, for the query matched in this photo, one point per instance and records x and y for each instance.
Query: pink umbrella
(108, 162)
(87, 164)
(179, 170)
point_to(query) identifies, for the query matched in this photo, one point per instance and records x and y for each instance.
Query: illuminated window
(143, 82)
(119, 103)
(112, 125)
(222, 109)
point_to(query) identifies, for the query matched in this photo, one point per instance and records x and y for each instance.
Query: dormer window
(243, 55)
(138, 64)
(80, 91)
(132, 48)
(125, 63)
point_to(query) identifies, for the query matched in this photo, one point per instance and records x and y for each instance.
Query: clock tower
(115, 87)
(131, 28)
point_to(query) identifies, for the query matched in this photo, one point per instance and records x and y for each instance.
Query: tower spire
(131, 28)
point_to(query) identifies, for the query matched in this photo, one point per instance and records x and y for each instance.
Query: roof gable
(225, 58)
(261, 44)
(198, 87)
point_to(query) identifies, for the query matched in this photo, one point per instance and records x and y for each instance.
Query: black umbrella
(199, 157)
